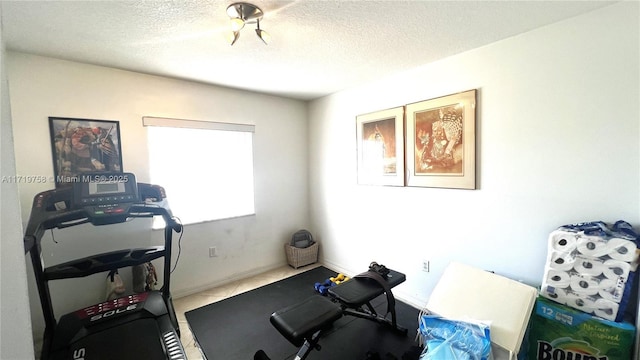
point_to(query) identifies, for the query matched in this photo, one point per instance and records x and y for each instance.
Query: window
(206, 168)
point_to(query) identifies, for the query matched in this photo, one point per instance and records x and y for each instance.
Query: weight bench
(303, 323)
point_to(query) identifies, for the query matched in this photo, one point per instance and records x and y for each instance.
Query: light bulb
(264, 36)
(232, 37)
(237, 24)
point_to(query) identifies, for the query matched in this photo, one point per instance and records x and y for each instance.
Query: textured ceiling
(318, 47)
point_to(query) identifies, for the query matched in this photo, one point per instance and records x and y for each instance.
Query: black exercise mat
(237, 327)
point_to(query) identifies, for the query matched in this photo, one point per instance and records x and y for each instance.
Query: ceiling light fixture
(242, 13)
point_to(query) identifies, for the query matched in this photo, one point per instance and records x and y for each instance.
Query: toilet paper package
(591, 266)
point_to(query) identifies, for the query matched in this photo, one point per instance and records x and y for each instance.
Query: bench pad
(358, 291)
(300, 321)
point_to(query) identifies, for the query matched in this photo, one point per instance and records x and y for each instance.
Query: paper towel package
(590, 267)
(560, 332)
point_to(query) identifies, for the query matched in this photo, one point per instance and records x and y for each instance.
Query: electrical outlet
(425, 265)
(213, 251)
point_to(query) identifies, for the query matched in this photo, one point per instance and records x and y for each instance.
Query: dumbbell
(322, 288)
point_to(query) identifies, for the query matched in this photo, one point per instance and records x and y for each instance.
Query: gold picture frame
(380, 147)
(440, 142)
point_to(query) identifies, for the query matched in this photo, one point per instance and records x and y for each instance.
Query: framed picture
(380, 142)
(441, 142)
(84, 146)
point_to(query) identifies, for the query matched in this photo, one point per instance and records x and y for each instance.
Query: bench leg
(372, 315)
(305, 349)
(309, 344)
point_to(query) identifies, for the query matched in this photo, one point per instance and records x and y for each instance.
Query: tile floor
(209, 296)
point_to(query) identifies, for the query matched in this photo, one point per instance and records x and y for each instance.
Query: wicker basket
(297, 257)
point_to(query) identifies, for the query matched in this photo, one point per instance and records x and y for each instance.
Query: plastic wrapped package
(591, 267)
(448, 339)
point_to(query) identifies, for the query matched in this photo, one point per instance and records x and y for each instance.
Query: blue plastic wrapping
(447, 339)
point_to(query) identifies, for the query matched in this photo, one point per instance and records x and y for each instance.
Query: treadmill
(137, 326)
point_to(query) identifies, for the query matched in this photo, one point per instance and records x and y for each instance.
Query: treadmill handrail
(103, 262)
(61, 219)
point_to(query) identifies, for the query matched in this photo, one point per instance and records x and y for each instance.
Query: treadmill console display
(105, 190)
(101, 188)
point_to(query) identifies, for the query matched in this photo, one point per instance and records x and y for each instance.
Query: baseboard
(334, 267)
(410, 300)
(228, 280)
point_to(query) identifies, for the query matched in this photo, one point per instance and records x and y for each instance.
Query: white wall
(557, 143)
(16, 341)
(42, 87)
